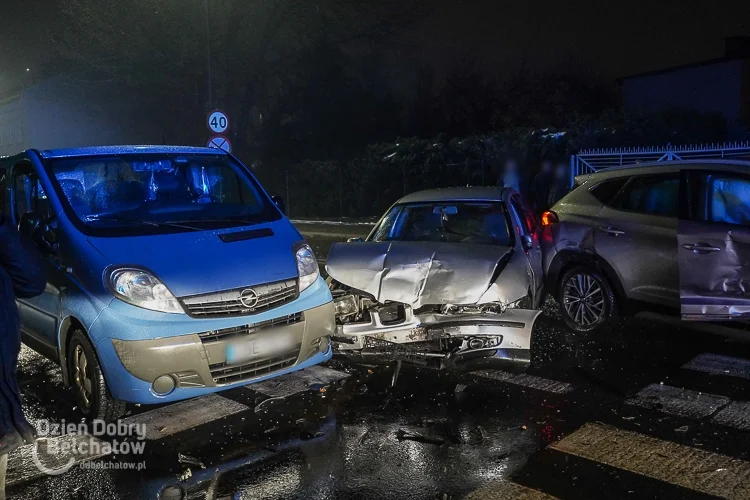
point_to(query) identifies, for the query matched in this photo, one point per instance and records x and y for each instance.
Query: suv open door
(714, 245)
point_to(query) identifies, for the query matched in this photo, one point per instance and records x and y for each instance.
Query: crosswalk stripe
(531, 381)
(60, 453)
(185, 415)
(299, 381)
(504, 490)
(735, 415)
(679, 465)
(716, 364)
(680, 402)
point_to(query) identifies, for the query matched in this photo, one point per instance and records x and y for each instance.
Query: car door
(714, 246)
(39, 315)
(636, 235)
(529, 231)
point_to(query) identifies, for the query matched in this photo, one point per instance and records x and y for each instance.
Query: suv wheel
(587, 301)
(87, 381)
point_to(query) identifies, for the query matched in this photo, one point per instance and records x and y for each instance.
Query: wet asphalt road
(648, 411)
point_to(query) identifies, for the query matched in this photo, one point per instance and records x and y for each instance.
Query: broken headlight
(489, 308)
(346, 305)
(524, 303)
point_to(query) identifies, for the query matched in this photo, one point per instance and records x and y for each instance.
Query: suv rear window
(607, 190)
(650, 194)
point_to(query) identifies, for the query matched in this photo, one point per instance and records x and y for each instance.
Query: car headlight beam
(140, 288)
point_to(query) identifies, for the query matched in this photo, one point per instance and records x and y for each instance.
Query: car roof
(119, 150)
(455, 194)
(665, 167)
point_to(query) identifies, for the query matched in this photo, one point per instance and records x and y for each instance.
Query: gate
(593, 160)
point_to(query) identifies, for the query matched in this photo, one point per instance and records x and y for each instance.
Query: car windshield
(449, 222)
(168, 192)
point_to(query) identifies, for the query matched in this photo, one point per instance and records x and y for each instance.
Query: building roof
(119, 150)
(454, 194)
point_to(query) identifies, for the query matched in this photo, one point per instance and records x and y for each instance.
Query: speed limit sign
(218, 122)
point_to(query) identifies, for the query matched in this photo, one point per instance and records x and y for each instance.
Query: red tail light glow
(549, 217)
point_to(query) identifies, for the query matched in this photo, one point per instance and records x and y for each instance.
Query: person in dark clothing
(21, 276)
(540, 187)
(560, 184)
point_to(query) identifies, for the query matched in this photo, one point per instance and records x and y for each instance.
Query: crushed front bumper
(453, 337)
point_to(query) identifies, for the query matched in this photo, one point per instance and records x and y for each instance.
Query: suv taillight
(549, 217)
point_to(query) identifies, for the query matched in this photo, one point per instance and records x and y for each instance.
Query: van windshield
(160, 193)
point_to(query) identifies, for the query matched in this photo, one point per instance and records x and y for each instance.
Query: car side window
(606, 191)
(651, 195)
(728, 198)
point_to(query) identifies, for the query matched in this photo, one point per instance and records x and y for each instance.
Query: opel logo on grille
(249, 298)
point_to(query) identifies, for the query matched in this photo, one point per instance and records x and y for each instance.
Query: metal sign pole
(208, 58)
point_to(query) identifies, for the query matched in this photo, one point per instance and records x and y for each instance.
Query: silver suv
(672, 236)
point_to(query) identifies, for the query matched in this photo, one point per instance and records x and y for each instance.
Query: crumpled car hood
(416, 273)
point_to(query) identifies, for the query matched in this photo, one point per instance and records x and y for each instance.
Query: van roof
(118, 150)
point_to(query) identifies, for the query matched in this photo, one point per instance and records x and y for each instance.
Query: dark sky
(609, 38)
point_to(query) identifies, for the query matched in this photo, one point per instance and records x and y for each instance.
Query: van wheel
(587, 301)
(87, 381)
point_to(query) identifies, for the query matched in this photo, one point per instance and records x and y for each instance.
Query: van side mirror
(30, 225)
(279, 201)
(354, 240)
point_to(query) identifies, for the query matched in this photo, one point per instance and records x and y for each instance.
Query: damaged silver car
(449, 274)
(667, 238)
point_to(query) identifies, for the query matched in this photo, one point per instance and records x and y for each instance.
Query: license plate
(261, 347)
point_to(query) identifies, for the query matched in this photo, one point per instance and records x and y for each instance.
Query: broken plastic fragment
(186, 475)
(186, 459)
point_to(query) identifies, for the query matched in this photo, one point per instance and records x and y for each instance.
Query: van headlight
(143, 289)
(307, 266)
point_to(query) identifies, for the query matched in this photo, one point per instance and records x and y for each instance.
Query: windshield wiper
(117, 218)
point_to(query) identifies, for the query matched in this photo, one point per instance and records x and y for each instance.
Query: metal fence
(593, 160)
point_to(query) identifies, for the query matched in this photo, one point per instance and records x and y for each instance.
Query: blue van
(172, 274)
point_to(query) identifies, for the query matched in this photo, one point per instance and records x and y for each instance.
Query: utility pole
(208, 58)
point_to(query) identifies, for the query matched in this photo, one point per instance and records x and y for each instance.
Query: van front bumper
(147, 366)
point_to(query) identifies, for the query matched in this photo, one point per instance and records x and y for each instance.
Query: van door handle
(611, 231)
(700, 248)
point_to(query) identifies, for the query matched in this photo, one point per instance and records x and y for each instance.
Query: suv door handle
(700, 248)
(612, 231)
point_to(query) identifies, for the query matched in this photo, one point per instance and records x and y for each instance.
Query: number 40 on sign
(218, 122)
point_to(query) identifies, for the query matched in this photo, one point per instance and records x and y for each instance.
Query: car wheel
(588, 303)
(87, 381)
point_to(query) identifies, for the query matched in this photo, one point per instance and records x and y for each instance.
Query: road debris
(402, 435)
(396, 372)
(188, 460)
(187, 474)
